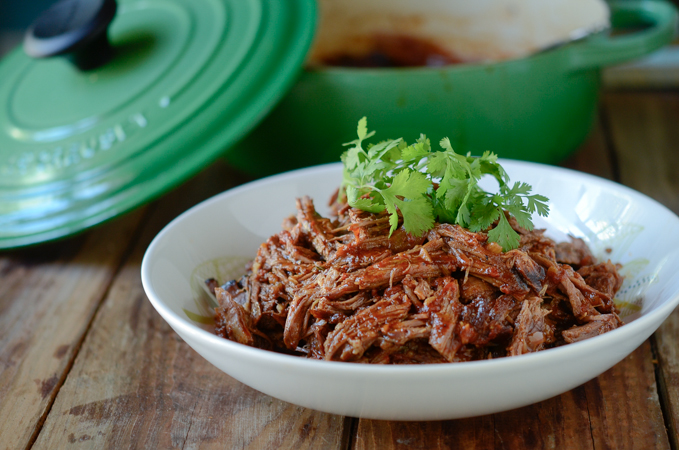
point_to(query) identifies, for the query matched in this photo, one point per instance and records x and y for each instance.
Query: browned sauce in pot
(395, 51)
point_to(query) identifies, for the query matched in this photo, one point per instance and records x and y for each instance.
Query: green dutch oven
(539, 108)
(127, 114)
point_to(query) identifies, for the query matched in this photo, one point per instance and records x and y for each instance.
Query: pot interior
(440, 32)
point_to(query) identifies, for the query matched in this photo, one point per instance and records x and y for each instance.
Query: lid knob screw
(76, 29)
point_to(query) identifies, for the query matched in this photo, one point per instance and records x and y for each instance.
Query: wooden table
(86, 362)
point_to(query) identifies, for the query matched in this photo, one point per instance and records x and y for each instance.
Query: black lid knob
(76, 29)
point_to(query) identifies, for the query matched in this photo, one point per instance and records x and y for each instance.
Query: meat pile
(342, 289)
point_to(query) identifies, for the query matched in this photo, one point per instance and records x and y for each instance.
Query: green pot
(81, 143)
(538, 108)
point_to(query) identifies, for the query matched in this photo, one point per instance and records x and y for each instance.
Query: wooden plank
(471, 434)
(560, 422)
(48, 296)
(136, 384)
(617, 410)
(668, 367)
(624, 407)
(594, 156)
(646, 137)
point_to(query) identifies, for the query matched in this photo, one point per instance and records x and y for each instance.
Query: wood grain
(646, 132)
(48, 296)
(475, 434)
(668, 369)
(595, 156)
(624, 407)
(136, 384)
(617, 410)
(560, 422)
(645, 135)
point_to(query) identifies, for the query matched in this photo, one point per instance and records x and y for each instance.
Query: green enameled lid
(187, 79)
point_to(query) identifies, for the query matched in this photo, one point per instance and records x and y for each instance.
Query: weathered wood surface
(618, 410)
(645, 132)
(48, 296)
(136, 384)
(644, 129)
(85, 361)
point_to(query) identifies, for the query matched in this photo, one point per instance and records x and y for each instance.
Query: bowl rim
(637, 326)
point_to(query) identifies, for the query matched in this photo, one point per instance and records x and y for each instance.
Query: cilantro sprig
(427, 186)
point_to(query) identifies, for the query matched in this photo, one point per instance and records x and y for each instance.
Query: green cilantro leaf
(422, 186)
(362, 128)
(484, 214)
(407, 193)
(356, 200)
(504, 234)
(538, 203)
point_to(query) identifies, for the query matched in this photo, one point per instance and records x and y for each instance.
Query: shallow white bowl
(615, 221)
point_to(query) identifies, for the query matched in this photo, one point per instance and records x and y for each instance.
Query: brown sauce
(395, 51)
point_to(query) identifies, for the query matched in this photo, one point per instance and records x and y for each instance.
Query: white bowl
(617, 222)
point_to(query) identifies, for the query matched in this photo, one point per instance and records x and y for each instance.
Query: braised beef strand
(343, 289)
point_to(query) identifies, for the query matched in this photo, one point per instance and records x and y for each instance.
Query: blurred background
(15, 17)
(660, 69)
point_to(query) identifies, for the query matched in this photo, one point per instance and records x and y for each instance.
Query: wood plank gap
(350, 433)
(496, 434)
(76, 350)
(591, 427)
(663, 396)
(607, 134)
(188, 429)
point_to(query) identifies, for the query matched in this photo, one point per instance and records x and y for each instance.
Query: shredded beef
(345, 289)
(530, 328)
(598, 325)
(576, 253)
